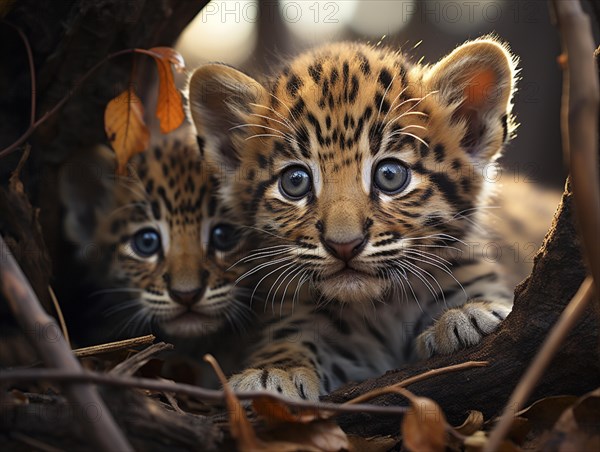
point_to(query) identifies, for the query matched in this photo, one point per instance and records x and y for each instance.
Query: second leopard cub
(367, 175)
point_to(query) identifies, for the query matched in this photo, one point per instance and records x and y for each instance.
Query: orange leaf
(171, 55)
(424, 426)
(169, 109)
(239, 425)
(125, 127)
(275, 412)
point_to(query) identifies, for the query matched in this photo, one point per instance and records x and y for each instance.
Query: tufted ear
(478, 79)
(86, 185)
(220, 99)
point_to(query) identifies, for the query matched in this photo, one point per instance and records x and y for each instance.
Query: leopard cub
(365, 175)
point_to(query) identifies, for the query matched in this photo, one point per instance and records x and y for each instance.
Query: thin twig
(133, 363)
(113, 346)
(11, 148)
(412, 380)
(181, 388)
(59, 314)
(104, 434)
(579, 125)
(568, 318)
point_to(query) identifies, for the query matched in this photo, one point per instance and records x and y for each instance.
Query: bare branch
(181, 388)
(113, 346)
(567, 320)
(55, 352)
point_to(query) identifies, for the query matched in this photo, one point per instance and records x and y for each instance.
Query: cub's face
(157, 238)
(367, 167)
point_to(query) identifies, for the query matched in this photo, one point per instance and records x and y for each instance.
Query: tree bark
(558, 271)
(149, 424)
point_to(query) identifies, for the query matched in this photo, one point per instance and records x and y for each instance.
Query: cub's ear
(86, 187)
(220, 99)
(477, 79)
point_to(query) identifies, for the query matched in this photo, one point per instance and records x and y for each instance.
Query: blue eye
(295, 182)
(146, 242)
(224, 237)
(391, 176)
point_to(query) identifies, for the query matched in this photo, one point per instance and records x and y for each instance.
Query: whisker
(262, 255)
(415, 271)
(262, 266)
(263, 135)
(265, 277)
(284, 104)
(392, 105)
(282, 135)
(410, 135)
(264, 231)
(383, 97)
(279, 115)
(268, 118)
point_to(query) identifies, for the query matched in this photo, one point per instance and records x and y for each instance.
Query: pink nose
(347, 250)
(186, 298)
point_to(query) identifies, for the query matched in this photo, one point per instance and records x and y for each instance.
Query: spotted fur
(184, 289)
(382, 265)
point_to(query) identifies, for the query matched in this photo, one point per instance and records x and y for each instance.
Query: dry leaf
(125, 127)
(239, 425)
(374, 444)
(169, 108)
(578, 427)
(424, 426)
(538, 417)
(276, 412)
(318, 435)
(472, 424)
(477, 441)
(171, 55)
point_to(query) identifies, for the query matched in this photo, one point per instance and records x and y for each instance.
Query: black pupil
(224, 237)
(147, 242)
(389, 172)
(297, 178)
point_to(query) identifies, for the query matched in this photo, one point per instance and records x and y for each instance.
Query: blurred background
(256, 35)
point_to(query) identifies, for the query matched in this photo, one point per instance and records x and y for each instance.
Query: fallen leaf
(578, 427)
(538, 417)
(169, 108)
(125, 127)
(315, 437)
(373, 444)
(477, 441)
(319, 435)
(472, 424)
(275, 412)
(239, 425)
(424, 426)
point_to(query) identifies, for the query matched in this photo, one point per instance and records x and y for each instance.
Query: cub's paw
(296, 382)
(461, 327)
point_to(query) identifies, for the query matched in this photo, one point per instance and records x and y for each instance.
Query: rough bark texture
(557, 274)
(149, 425)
